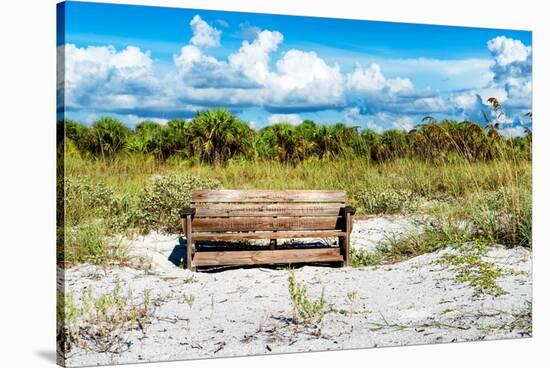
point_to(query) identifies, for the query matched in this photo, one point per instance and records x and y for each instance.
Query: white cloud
(516, 131)
(102, 75)
(512, 70)
(293, 119)
(252, 59)
(303, 80)
(403, 123)
(204, 35)
(507, 51)
(371, 80)
(443, 74)
(380, 121)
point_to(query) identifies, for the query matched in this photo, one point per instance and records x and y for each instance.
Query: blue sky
(137, 62)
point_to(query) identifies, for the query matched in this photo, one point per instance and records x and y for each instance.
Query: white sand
(413, 302)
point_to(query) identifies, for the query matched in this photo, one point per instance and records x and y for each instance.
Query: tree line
(215, 136)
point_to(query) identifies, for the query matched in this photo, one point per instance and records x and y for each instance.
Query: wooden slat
(269, 235)
(267, 223)
(283, 196)
(267, 209)
(282, 256)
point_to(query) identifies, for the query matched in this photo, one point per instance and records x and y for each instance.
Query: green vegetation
(304, 310)
(471, 268)
(100, 323)
(88, 244)
(117, 180)
(217, 136)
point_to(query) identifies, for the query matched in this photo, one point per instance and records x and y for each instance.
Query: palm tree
(282, 138)
(217, 135)
(178, 138)
(149, 138)
(107, 137)
(76, 132)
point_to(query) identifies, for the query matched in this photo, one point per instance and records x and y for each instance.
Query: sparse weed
(189, 299)
(351, 298)
(89, 243)
(471, 268)
(304, 310)
(101, 322)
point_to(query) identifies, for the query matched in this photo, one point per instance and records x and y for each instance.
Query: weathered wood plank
(267, 209)
(230, 195)
(269, 235)
(282, 256)
(267, 223)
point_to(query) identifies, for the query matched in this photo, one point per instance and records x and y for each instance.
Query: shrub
(88, 244)
(304, 309)
(504, 216)
(84, 200)
(165, 196)
(386, 201)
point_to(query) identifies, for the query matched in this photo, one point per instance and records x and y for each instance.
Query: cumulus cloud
(101, 76)
(512, 70)
(303, 81)
(293, 119)
(371, 80)
(198, 70)
(204, 35)
(252, 59)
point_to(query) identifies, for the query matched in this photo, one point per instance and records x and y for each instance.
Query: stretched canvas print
(236, 184)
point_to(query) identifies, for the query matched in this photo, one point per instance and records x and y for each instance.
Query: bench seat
(281, 256)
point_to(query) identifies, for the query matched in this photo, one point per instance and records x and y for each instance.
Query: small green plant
(351, 298)
(471, 268)
(361, 257)
(189, 299)
(304, 310)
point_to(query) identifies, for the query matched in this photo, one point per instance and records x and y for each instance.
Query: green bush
(504, 216)
(386, 201)
(85, 200)
(89, 244)
(165, 196)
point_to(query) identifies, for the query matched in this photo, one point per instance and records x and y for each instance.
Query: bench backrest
(267, 210)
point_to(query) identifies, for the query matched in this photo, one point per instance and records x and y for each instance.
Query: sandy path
(247, 311)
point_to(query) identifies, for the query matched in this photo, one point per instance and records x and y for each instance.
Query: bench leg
(273, 244)
(342, 245)
(347, 239)
(190, 244)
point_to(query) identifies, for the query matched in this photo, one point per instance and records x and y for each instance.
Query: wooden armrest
(350, 209)
(187, 211)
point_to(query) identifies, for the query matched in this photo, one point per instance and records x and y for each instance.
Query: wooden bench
(225, 215)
